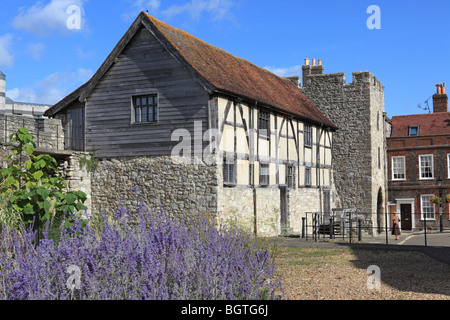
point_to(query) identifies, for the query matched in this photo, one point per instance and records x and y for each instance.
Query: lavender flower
(140, 256)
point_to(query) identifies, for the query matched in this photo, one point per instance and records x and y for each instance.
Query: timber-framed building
(163, 95)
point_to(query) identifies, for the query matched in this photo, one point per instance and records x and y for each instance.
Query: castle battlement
(357, 108)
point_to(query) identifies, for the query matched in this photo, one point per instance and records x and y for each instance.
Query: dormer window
(413, 131)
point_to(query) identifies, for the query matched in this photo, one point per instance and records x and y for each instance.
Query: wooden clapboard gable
(142, 68)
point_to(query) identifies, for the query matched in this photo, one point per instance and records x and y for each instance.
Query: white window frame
(427, 201)
(432, 167)
(393, 168)
(448, 165)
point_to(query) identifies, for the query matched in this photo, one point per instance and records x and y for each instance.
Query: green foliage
(90, 162)
(32, 185)
(10, 218)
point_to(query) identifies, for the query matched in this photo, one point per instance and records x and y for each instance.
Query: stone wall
(76, 176)
(358, 109)
(236, 206)
(48, 133)
(179, 188)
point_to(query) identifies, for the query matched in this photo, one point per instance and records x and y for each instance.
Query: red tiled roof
(229, 73)
(429, 124)
(222, 70)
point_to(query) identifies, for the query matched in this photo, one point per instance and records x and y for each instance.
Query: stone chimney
(440, 99)
(2, 92)
(311, 69)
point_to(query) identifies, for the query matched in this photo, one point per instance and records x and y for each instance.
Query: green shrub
(31, 184)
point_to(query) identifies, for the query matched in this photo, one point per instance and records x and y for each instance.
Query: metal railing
(354, 226)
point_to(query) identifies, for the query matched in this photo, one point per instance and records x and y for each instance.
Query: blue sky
(44, 60)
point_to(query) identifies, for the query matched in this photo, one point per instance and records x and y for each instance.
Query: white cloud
(51, 89)
(6, 58)
(218, 9)
(141, 5)
(43, 19)
(36, 50)
(285, 72)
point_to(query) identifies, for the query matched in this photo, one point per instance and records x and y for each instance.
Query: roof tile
(429, 124)
(229, 73)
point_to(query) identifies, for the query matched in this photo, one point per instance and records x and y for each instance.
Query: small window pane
(229, 171)
(146, 108)
(150, 114)
(264, 123)
(144, 114)
(138, 114)
(264, 174)
(307, 176)
(308, 135)
(413, 131)
(290, 172)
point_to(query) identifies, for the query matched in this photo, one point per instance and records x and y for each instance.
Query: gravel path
(341, 274)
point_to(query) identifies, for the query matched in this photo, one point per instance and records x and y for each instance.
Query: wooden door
(75, 129)
(406, 216)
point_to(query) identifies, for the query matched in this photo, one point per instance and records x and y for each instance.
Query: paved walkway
(438, 244)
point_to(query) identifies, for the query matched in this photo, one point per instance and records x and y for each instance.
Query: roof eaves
(332, 126)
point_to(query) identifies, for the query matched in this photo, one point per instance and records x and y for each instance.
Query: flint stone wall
(179, 188)
(357, 108)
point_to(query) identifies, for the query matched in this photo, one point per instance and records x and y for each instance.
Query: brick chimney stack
(440, 99)
(311, 69)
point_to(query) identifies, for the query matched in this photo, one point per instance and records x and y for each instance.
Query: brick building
(419, 166)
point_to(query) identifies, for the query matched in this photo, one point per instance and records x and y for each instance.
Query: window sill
(229, 185)
(145, 123)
